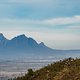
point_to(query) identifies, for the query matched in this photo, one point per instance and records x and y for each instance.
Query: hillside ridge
(68, 69)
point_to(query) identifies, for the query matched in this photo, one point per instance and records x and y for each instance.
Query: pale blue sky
(55, 22)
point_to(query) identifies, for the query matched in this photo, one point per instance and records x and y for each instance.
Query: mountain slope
(24, 47)
(3, 40)
(68, 69)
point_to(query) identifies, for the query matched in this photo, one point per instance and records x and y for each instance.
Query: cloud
(25, 1)
(63, 20)
(38, 9)
(55, 23)
(59, 33)
(74, 27)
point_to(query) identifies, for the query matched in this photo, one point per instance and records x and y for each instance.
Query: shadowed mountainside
(24, 47)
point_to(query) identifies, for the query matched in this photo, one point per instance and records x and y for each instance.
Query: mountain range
(24, 47)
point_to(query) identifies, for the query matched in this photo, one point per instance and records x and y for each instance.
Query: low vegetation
(68, 69)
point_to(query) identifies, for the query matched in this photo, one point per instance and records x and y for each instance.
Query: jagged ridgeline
(24, 47)
(68, 69)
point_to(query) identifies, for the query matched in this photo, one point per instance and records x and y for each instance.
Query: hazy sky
(54, 22)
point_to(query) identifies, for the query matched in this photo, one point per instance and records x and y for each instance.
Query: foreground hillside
(68, 69)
